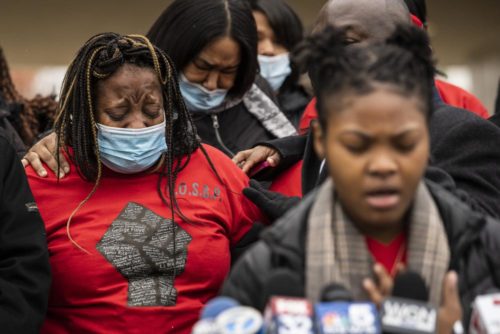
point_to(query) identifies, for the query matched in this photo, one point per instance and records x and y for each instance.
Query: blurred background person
(374, 106)
(140, 233)
(279, 30)
(24, 259)
(23, 120)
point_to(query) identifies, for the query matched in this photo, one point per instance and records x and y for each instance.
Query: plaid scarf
(336, 251)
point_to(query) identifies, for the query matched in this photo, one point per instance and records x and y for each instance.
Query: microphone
(334, 292)
(286, 311)
(240, 320)
(212, 309)
(286, 315)
(485, 315)
(338, 314)
(281, 282)
(408, 311)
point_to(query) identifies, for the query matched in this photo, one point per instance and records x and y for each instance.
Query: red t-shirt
(451, 94)
(388, 254)
(126, 284)
(289, 182)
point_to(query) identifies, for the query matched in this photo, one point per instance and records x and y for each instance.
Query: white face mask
(130, 151)
(275, 69)
(198, 98)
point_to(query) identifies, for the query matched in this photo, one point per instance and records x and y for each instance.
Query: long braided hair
(33, 116)
(99, 58)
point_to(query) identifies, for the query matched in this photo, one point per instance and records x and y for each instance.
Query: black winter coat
(293, 100)
(473, 238)
(465, 157)
(234, 129)
(24, 259)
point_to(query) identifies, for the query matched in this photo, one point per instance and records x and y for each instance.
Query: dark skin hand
(45, 152)
(450, 310)
(246, 160)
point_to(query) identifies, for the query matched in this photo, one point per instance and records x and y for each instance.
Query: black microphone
(408, 310)
(281, 282)
(287, 311)
(410, 285)
(334, 292)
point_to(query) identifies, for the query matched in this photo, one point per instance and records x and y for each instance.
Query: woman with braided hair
(376, 214)
(140, 232)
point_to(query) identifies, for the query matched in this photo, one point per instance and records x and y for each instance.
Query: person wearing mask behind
(464, 147)
(24, 259)
(140, 232)
(213, 43)
(279, 30)
(374, 104)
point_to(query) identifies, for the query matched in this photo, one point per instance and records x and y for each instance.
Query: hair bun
(414, 40)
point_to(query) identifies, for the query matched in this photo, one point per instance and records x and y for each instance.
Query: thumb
(451, 297)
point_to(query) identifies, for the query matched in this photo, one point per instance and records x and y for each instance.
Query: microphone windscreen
(281, 282)
(216, 306)
(334, 292)
(410, 285)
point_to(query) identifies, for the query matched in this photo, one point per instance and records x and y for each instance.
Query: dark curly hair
(404, 60)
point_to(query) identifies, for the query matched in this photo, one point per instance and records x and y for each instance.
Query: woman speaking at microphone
(140, 232)
(376, 214)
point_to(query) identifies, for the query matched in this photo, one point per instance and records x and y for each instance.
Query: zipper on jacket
(216, 125)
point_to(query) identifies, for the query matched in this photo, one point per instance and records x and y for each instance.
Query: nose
(211, 81)
(137, 120)
(266, 48)
(382, 165)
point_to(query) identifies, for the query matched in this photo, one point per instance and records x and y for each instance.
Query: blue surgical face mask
(275, 69)
(198, 98)
(130, 151)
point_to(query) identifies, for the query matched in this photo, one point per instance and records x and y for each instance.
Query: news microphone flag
(486, 315)
(286, 315)
(347, 318)
(240, 320)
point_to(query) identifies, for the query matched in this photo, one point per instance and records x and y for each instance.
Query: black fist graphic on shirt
(140, 245)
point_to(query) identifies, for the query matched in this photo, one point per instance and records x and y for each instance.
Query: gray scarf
(264, 109)
(336, 251)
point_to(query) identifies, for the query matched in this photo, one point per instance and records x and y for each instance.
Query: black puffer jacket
(293, 100)
(24, 257)
(234, 129)
(474, 241)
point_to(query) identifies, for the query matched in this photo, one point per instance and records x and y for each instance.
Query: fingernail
(66, 169)
(366, 283)
(61, 174)
(453, 277)
(43, 173)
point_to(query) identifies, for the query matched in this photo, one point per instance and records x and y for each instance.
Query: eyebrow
(365, 135)
(208, 64)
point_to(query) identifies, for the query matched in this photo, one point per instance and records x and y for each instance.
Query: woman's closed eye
(117, 113)
(152, 110)
(356, 143)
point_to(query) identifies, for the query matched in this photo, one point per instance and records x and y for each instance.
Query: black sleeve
(291, 149)
(246, 280)
(467, 148)
(24, 260)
